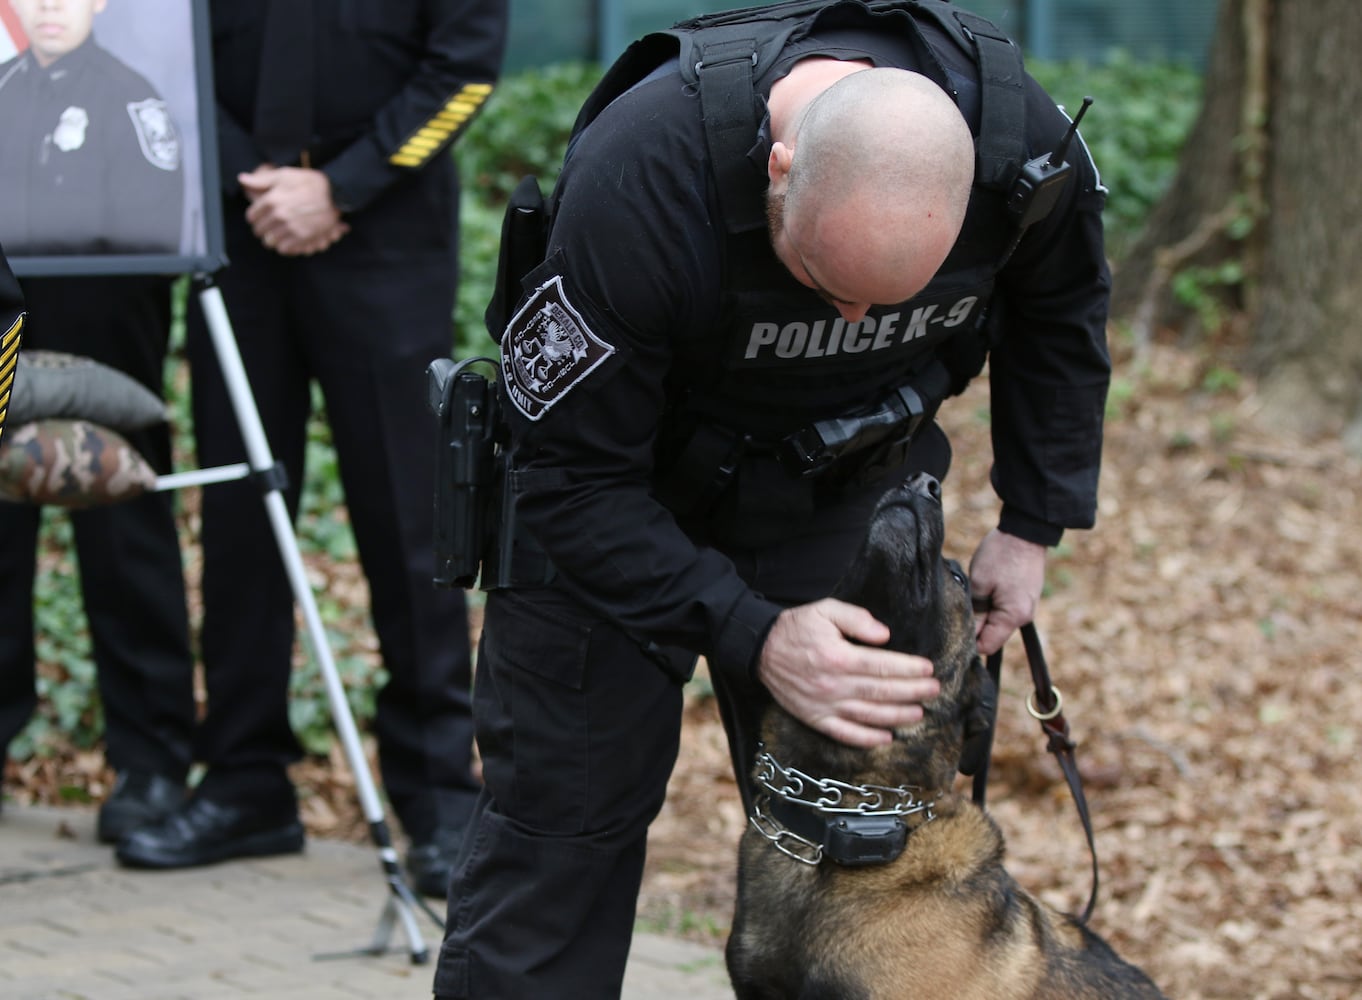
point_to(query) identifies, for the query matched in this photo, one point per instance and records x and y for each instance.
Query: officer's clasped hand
(291, 210)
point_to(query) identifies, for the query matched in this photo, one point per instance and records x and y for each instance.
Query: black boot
(431, 862)
(204, 831)
(139, 799)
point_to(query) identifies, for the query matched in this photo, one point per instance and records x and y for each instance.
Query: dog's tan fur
(945, 919)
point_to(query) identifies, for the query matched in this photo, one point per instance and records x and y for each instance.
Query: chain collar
(837, 803)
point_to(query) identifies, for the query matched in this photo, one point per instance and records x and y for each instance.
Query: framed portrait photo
(108, 150)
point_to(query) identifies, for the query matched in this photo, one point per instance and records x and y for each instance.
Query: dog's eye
(960, 577)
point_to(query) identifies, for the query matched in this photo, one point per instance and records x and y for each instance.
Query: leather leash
(1046, 707)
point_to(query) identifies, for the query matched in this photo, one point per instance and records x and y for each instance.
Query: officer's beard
(775, 215)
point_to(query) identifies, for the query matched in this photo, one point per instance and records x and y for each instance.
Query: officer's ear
(778, 166)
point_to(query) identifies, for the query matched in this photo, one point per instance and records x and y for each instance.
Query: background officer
(88, 142)
(91, 164)
(341, 205)
(659, 378)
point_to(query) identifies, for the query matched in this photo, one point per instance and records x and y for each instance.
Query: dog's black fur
(944, 919)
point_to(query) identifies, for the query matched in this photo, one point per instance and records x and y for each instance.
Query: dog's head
(901, 576)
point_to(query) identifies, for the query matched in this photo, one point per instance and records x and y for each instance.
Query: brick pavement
(75, 926)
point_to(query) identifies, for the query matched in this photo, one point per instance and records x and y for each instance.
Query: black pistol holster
(470, 448)
(475, 529)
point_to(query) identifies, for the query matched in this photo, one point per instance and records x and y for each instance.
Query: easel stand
(402, 902)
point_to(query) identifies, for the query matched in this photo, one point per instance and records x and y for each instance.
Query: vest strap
(1002, 106)
(729, 108)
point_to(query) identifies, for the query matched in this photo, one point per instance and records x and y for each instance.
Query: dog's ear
(979, 713)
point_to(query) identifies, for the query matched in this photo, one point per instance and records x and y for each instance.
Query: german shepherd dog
(863, 875)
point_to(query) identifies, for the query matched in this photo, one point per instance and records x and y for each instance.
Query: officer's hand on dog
(815, 666)
(291, 210)
(1007, 575)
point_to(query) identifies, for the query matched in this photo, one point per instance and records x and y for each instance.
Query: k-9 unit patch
(547, 350)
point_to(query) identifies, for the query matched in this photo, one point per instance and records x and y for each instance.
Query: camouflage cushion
(52, 384)
(70, 463)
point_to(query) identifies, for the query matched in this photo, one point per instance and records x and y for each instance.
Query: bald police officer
(737, 285)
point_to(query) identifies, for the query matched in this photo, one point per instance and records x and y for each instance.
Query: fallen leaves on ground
(1206, 637)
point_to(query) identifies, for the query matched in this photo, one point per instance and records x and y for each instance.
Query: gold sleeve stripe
(9, 360)
(9, 347)
(443, 126)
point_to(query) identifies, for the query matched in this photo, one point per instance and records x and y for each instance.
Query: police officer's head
(868, 195)
(56, 27)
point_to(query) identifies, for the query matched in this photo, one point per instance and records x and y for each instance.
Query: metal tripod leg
(401, 904)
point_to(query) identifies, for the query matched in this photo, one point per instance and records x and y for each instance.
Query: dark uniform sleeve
(237, 153)
(1049, 367)
(636, 259)
(11, 330)
(457, 73)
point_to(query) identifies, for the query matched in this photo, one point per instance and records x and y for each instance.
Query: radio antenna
(1062, 150)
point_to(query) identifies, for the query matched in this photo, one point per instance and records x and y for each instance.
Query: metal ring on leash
(1045, 716)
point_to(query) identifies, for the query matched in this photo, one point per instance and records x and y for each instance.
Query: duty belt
(831, 450)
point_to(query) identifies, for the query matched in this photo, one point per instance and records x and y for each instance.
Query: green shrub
(1135, 129)
(523, 130)
(69, 710)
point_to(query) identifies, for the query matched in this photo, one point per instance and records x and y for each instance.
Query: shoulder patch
(156, 133)
(548, 349)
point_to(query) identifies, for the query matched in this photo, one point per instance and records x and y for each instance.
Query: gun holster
(469, 445)
(474, 501)
(476, 536)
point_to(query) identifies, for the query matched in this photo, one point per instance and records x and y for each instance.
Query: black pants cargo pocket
(533, 714)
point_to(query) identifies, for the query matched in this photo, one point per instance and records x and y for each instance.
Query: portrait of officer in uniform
(91, 159)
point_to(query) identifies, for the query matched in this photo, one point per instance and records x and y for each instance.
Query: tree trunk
(1268, 181)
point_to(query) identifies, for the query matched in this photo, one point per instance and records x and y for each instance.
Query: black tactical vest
(769, 367)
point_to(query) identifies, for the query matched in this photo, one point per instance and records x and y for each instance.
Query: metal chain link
(833, 796)
(806, 852)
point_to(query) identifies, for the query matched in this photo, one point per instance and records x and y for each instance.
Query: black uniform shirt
(90, 158)
(396, 82)
(641, 271)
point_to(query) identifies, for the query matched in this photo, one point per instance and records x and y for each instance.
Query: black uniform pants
(131, 574)
(578, 729)
(363, 321)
